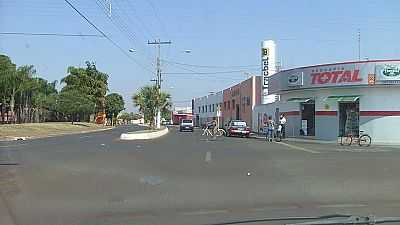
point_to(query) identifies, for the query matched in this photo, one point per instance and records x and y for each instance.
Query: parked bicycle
(363, 139)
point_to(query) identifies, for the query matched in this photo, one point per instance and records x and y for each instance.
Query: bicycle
(362, 140)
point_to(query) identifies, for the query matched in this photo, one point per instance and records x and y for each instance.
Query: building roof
(343, 63)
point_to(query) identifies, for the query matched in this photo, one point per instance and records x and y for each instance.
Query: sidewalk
(314, 141)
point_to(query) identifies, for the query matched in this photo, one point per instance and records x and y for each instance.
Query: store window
(349, 116)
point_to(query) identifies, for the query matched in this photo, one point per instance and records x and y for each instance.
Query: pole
(159, 80)
(359, 44)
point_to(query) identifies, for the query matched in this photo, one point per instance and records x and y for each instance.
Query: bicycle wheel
(220, 132)
(347, 140)
(278, 137)
(364, 140)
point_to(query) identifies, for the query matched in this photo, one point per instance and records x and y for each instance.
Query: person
(270, 128)
(282, 122)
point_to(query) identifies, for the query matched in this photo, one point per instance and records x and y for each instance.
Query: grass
(45, 129)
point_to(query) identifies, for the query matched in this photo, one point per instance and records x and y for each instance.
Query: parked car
(186, 125)
(238, 128)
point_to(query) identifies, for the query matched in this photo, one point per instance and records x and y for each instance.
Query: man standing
(282, 122)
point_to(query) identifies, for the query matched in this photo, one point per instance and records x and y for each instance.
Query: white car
(186, 124)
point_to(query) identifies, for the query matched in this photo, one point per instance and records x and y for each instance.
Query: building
(330, 100)
(180, 113)
(240, 99)
(205, 108)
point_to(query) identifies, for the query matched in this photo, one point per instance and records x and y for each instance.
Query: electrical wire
(205, 66)
(107, 37)
(51, 34)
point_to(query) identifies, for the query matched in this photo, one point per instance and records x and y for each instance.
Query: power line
(205, 66)
(104, 35)
(217, 72)
(121, 26)
(51, 34)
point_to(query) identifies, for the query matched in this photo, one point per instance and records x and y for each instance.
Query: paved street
(184, 178)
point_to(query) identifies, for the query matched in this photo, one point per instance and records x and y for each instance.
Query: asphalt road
(184, 178)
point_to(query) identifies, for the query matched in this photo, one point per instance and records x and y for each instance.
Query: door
(349, 115)
(307, 119)
(237, 112)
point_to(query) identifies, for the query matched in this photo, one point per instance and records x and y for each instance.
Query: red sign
(334, 77)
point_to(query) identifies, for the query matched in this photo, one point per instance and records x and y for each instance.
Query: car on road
(186, 125)
(238, 128)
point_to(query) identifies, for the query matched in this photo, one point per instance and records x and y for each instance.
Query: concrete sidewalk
(314, 141)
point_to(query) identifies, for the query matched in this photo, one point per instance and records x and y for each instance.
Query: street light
(132, 50)
(187, 51)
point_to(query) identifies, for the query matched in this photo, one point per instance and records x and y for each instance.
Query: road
(184, 178)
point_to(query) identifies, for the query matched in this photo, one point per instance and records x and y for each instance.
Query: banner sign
(387, 73)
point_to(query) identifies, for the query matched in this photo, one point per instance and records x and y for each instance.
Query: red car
(238, 128)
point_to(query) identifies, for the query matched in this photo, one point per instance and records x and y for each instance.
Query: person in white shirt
(282, 122)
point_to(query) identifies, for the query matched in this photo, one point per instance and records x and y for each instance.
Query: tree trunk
(12, 103)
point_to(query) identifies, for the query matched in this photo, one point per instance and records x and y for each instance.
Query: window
(202, 108)
(224, 105)
(248, 101)
(199, 109)
(213, 107)
(229, 104)
(209, 109)
(206, 108)
(233, 103)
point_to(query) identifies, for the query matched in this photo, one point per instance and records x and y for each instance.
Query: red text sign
(340, 76)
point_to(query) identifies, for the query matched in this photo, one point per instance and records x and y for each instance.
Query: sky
(222, 36)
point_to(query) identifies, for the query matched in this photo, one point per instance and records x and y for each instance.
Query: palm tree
(149, 99)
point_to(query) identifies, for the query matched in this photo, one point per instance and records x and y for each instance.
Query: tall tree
(149, 99)
(72, 103)
(88, 81)
(114, 105)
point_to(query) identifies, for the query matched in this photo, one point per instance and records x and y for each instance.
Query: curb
(301, 140)
(144, 136)
(52, 135)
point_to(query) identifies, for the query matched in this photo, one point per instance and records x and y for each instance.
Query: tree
(88, 81)
(149, 99)
(72, 103)
(114, 104)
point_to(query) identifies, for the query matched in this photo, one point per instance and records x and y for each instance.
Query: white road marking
(349, 205)
(10, 146)
(361, 150)
(274, 208)
(195, 213)
(85, 136)
(208, 157)
(298, 148)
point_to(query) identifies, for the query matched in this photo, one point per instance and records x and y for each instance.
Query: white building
(330, 100)
(205, 108)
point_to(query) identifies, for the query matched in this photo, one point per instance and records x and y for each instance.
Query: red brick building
(240, 99)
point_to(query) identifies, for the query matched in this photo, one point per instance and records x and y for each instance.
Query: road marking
(88, 136)
(298, 148)
(342, 206)
(195, 213)
(274, 208)
(361, 150)
(208, 157)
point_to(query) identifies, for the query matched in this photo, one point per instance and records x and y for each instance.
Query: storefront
(331, 100)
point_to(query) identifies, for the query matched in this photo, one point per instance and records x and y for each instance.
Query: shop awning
(344, 98)
(299, 99)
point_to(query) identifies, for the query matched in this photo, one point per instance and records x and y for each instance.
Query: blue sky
(218, 33)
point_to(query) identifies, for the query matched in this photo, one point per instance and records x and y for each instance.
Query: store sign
(295, 79)
(265, 66)
(336, 77)
(388, 72)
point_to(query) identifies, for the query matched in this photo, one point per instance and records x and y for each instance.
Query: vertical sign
(268, 63)
(371, 79)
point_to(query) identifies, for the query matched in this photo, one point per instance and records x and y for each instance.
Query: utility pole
(359, 44)
(158, 43)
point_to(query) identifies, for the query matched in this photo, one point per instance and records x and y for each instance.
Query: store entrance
(349, 115)
(307, 127)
